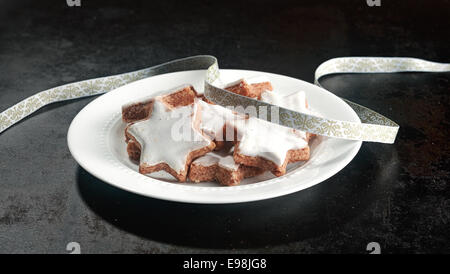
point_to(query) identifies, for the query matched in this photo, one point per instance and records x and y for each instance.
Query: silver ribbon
(374, 127)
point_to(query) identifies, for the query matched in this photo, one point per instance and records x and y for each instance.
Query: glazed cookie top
(271, 141)
(213, 158)
(169, 135)
(259, 138)
(214, 117)
(291, 100)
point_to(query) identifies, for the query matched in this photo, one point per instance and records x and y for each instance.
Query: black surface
(397, 195)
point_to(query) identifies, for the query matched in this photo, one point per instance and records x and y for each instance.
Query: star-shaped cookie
(169, 139)
(268, 146)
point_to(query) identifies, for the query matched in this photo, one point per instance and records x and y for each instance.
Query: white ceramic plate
(96, 141)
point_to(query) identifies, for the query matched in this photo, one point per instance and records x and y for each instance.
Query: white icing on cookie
(259, 138)
(214, 117)
(212, 158)
(168, 136)
(295, 101)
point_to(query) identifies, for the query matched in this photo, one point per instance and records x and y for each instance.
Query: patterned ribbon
(375, 127)
(95, 87)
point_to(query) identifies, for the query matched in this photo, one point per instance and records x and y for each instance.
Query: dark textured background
(397, 195)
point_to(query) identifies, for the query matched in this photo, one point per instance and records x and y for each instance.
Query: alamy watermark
(181, 129)
(374, 248)
(73, 3)
(373, 3)
(73, 248)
